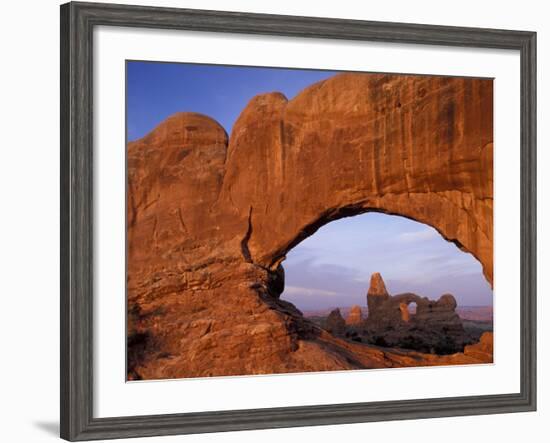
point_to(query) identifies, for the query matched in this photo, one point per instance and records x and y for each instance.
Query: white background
(29, 226)
(113, 397)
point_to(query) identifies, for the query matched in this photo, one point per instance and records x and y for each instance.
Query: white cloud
(414, 236)
(308, 292)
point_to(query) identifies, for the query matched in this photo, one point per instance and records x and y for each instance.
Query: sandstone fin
(377, 285)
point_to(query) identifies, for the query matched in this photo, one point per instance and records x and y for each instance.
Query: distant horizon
(332, 268)
(365, 306)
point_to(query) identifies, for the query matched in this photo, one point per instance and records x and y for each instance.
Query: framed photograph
(273, 221)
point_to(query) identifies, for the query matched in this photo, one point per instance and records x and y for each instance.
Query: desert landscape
(434, 326)
(211, 218)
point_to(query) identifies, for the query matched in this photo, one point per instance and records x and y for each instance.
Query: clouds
(311, 285)
(420, 235)
(336, 263)
(301, 291)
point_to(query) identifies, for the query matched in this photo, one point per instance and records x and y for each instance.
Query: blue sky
(332, 267)
(157, 90)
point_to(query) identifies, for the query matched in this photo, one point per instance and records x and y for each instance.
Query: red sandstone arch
(415, 146)
(209, 220)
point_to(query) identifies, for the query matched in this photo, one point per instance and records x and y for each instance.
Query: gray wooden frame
(77, 24)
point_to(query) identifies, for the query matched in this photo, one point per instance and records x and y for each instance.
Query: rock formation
(377, 295)
(435, 327)
(210, 219)
(355, 316)
(482, 351)
(335, 323)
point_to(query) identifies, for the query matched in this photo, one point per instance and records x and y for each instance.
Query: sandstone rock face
(377, 295)
(483, 350)
(435, 327)
(355, 316)
(210, 219)
(335, 323)
(416, 146)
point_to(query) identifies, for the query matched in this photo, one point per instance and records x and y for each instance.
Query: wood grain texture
(77, 22)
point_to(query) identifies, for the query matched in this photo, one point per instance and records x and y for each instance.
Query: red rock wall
(420, 147)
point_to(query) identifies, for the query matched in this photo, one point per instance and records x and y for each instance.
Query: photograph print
(291, 221)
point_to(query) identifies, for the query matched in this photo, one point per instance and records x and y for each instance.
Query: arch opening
(408, 311)
(361, 209)
(331, 271)
(393, 245)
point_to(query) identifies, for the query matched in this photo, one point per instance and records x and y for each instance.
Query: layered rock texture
(435, 327)
(210, 218)
(482, 351)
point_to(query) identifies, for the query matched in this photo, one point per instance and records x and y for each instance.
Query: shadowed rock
(335, 323)
(435, 326)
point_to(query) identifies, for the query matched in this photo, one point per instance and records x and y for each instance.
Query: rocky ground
(474, 329)
(433, 327)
